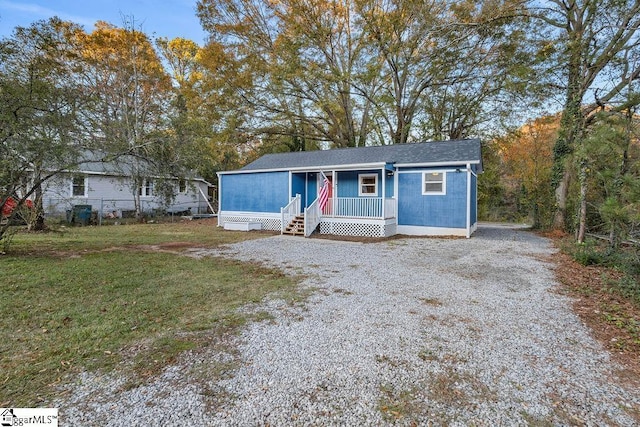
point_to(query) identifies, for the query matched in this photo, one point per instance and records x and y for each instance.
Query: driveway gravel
(408, 331)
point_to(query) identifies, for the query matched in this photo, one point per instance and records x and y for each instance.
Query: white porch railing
(289, 212)
(360, 207)
(311, 218)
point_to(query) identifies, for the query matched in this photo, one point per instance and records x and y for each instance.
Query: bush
(624, 260)
(629, 287)
(588, 254)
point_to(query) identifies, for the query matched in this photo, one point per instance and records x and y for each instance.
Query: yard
(116, 321)
(118, 297)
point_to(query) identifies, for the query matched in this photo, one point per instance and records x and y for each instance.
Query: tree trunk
(137, 206)
(36, 218)
(582, 223)
(561, 192)
(571, 127)
(536, 216)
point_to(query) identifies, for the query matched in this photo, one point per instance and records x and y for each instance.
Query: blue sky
(158, 18)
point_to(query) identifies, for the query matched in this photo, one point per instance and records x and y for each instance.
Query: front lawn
(84, 298)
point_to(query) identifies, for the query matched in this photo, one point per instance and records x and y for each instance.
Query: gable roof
(441, 152)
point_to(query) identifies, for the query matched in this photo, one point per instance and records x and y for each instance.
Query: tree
(130, 91)
(39, 104)
(206, 114)
(496, 74)
(595, 39)
(300, 59)
(527, 157)
(612, 147)
(188, 124)
(409, 36)
(362, 72)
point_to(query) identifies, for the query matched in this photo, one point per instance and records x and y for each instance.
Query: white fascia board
(436, 164)
(311, 169)
(83, 172)
(439, 169)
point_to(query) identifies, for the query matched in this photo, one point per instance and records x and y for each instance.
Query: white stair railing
(289, 212)
(312, 216)
(390, 208)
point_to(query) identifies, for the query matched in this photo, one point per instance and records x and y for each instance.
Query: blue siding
(447, 210)
(348, 183)
(254, 192)
(389, 185)
(298, 185)
(312, 188)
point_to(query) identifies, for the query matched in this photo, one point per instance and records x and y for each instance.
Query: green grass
(195, 233)
(98, 299)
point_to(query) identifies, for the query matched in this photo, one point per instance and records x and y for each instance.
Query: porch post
(468, 200)
(384, 189)
(334, 193)
(220, 223)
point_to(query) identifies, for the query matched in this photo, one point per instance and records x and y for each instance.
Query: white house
(108, 188)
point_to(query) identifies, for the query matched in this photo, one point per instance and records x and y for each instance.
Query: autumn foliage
(527, 160)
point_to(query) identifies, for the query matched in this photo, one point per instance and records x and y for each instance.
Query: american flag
(323, 195)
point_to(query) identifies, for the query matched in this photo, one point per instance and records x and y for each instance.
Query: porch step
(295, 227)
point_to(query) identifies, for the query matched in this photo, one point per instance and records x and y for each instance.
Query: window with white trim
(79, 186)
(368, 184)
(434, 183)
(147, 188)
(182, 186)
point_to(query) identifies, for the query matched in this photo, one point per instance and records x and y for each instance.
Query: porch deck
(355, 216)
(346, 216)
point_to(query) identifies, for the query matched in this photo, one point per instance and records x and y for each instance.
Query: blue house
(415, 189)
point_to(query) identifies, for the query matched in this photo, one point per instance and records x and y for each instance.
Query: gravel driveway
(413, 331)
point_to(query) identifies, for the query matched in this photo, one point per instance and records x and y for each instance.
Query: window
(79, 186)
(146, 189)
(368, 185)
(434, 183)
(182, 186)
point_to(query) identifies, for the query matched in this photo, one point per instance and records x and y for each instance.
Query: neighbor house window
(182, 186)
(434, 183)
(79, 186)
(146, 189)
(368, 185)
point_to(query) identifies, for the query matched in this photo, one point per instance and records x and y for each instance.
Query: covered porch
(359, 202)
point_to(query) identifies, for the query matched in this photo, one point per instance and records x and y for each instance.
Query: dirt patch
(174, 245)
(612, 318)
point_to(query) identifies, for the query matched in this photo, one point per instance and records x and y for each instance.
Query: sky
(157, 18)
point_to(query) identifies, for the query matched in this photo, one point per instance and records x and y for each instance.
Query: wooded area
(550, 87)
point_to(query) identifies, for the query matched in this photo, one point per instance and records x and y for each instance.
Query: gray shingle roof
(99, 162)
(456, 151)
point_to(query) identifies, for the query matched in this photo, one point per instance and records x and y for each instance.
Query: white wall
(111, 194)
